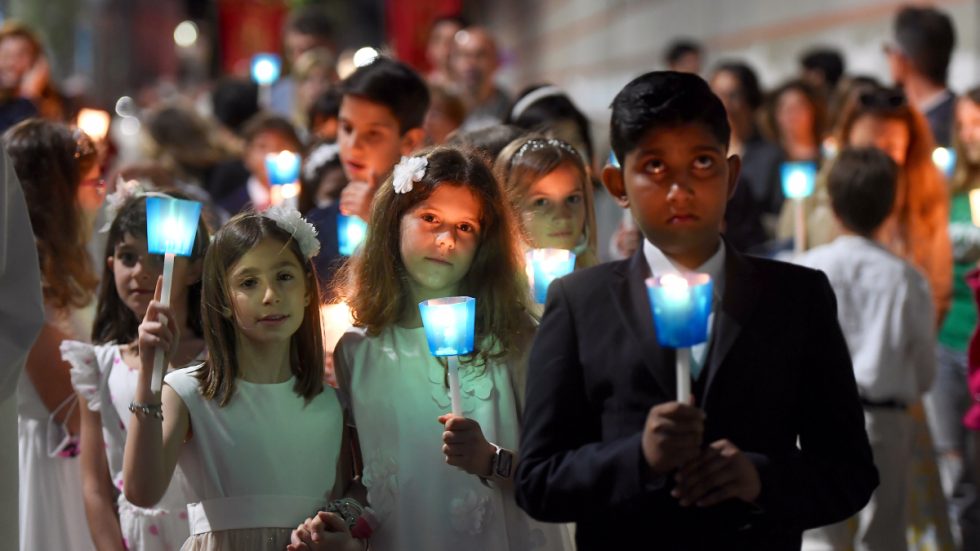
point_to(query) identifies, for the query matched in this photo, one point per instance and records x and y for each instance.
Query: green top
(962, 317)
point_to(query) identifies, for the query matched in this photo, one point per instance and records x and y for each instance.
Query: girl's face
(268, 293)
(439, 238)
(794, 114)
(968, 128)
(135, 273)
(553, 210)
(888, 135)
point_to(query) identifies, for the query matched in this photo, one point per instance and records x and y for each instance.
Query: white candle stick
(158, 356)
(455, 395)
(683, 375)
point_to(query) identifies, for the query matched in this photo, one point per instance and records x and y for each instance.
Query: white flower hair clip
(319, 157)
(410, 169)
(125, 190)
(293, 223)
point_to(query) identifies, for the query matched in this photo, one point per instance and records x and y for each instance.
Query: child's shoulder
(184, 380)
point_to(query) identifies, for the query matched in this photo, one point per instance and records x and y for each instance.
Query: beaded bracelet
(151, 410)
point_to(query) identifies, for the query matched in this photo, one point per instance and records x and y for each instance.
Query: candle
(945, 160)
(265, 69)
(94, 122)
(351, 231)
(681, 304)
(335, 319)
(449, 330)
(975, 206)
(283, 171)
(544, 266)
(171, 227)
(799, 180)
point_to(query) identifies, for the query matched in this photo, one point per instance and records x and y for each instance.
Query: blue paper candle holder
(798, 178)
(945, 160)
(171, 225)
(449, 325)
(545, 266)
(351, 231)
(282, 167)
(265, 68)
(681, 305)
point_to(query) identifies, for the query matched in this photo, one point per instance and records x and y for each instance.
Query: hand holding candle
(681, 305)
(449, 329)
(171, 227)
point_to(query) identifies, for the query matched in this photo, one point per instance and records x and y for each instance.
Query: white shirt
(885, 310)
(660, 264)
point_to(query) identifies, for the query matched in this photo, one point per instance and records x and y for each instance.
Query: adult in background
(475, 60)
(438, 50)
(918, 57)
(685, 56)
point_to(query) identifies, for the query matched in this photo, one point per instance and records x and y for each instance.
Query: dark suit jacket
(778, 370)
(228, 186)
(940, 119)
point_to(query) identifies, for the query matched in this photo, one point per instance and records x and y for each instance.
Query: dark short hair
(311, 20)
(234, 101)
(680, 48)
(543, 114)
(748, 82)
(827, 61)
(457, 19)
(488, 141)
(392, 84)
(862, 184)
(268, 122)
(927, 37)
(325, 106)
(663, 99)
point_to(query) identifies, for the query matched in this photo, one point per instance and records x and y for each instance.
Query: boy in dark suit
(775, 443)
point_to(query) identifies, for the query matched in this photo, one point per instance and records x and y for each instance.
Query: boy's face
(676, 182)
(370, 139)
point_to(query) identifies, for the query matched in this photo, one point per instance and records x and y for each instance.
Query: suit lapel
(631, 300)
(739, 299)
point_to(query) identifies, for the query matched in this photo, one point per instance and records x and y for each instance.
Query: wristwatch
(502, 463)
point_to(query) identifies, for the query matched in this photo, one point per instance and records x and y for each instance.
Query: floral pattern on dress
(381, 481)
(474, 382)
(471, 513)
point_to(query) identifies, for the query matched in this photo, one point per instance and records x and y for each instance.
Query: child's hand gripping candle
(171, 226)
(545, 266)
(799, 180)
(681, 305)
(283, 171)
(449, 329)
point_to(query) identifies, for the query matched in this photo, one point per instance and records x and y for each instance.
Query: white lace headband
(532, 97)
(125, 190)
(319, 157)
(293, 223)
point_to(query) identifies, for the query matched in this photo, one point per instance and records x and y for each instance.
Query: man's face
(474, 58)
(297, 43)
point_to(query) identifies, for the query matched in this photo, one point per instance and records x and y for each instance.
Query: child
(547, 184)
(381, 112)
(240, 184)
(105, 376)
(605, 444)
(442, 229)
(256, 433)
(884, 306)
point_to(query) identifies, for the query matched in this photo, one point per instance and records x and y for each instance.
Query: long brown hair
(114, 321)
(45, 157)
(967, 173)
(921, 189)
(375, 281)
(233, 240)
(528, 159)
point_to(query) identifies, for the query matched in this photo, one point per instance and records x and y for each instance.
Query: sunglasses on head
(882, 98)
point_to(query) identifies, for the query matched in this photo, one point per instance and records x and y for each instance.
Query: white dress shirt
(885, 310)
(660, 264)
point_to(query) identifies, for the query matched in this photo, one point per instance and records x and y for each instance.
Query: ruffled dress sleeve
(86, 377)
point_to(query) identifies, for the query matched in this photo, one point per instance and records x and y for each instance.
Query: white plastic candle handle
(799, 236)
(683, 375)
(454, 393)
(158, 356)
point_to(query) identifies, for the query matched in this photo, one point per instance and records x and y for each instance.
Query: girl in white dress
(439, 227)
(105, 376)
(257, 435)
(51, 162)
